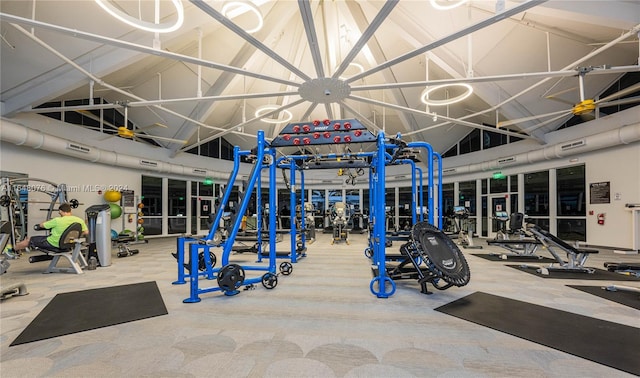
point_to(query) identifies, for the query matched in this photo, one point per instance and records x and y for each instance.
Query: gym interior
(321, 189)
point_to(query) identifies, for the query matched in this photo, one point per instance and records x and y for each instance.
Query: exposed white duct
(27, 137)
(623, 135)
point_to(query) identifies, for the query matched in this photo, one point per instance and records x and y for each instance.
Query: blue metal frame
(204, 245)
(381, 285)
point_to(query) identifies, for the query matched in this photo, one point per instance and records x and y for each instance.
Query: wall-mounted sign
(600, 192)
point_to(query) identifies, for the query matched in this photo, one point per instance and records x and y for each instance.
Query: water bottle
(93, 263)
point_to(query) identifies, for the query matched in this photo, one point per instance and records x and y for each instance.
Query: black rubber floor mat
(627, 298)
(599, 274)
(80, 311)
(607, 343)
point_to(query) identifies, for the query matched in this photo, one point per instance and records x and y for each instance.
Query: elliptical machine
(465, 236)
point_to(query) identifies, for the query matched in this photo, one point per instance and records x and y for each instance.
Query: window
(492, 139)
(467, 193)
(571, 191)
(177, 206)
(571, 220)
(471, 142)
(536, 194)
(152, 201)
(498, 185)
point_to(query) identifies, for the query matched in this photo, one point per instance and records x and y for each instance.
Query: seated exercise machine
(431, 257)
(516, 240)
(465, 236)
(69, 249)
(339, 218)
(576, 257)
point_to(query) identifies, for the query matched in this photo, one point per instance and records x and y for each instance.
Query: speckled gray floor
(321, 321)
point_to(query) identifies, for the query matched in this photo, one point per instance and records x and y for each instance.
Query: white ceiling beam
(451, 37)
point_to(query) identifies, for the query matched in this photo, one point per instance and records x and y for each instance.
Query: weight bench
(70, 249)
(576, 257)
(623, 267)
(522, 248)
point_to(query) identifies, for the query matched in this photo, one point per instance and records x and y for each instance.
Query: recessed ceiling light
(425, 94)
(232, 9)
(145, 25)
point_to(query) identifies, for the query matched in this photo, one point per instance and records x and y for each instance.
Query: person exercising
(56, 226)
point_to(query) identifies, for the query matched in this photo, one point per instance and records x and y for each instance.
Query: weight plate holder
(230, 278)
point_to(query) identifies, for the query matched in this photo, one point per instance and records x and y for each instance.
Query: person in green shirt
(56, 226)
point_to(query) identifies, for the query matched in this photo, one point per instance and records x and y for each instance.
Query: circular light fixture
(437, 4)
(357, 66)
(231, 9)
(145, 25)
(425, 94)
(267, 108)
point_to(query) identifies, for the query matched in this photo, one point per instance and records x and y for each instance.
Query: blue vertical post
(259, 213)
(439, 159)
(272, 210)
(292, 208)
(429, 149)
(420, 197)
(379, 233)
(303, 222)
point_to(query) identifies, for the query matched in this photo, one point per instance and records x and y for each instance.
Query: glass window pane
(571, 191)
(467, 192)
(536, 193)
(447, 199)
(498, 185)
(513, 183)
(353, 199)
(572, 229)
(205, 190)
(177, 193)
(471, 142)
(152, 226)
(152, 197)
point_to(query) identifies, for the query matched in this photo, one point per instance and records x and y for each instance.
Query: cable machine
(230, 277)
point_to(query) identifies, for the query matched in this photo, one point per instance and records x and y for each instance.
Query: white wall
(82, 178)
(620, 167)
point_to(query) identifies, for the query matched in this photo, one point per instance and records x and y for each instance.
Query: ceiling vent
(197, 171)
(572, 145)
(508, 160)
(78, 148)
(148, 163)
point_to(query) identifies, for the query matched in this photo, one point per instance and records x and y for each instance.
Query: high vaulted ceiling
(320, 59)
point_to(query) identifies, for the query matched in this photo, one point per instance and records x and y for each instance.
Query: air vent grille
(507, 160)
(574, 144)
(78, 148)
(148, 163)
(198, 171)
